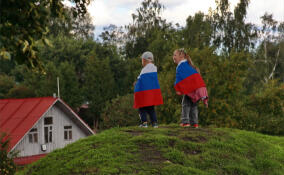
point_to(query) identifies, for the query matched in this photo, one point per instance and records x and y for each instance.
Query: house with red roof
(37, 126)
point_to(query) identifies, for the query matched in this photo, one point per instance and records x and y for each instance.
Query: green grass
(168, 150)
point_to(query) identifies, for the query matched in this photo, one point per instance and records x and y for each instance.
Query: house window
(67, 132)
(48, 121)
(33, 135)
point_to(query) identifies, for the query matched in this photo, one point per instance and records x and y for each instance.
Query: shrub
(7, 166)
(119, 112)
(266, 110)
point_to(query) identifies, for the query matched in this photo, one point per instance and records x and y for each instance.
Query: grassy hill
(168, 150)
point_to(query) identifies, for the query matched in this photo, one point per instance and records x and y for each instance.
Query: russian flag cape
(187, 78)
(147, 90)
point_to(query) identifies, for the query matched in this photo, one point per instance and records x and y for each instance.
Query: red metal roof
(28, 159)
(17, 116)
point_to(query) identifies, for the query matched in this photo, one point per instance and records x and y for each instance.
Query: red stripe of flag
(148, 98)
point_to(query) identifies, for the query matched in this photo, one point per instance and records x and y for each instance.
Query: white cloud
(257, 8)
(179, 13)
(118, 12)
(105, 12)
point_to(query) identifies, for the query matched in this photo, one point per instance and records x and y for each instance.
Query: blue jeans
(148, 110)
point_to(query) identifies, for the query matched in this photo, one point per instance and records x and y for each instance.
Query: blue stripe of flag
(147, 81)
(184, 70)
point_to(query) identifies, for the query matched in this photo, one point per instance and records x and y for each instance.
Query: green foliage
(167, 150)
(6, 83)
(197, 32)
(170, 111)
(7, 166)
(119, 112)
(71, 26)
(67, 49)
(147, 25)
(6, 66)
(102, 74)
(230, 32)
(99, 87)
(266, 110)
(40, 85)
(24, 23)
(225, 88)
(20, 91)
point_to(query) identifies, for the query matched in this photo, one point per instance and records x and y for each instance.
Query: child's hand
(206, 104)
(178, 92)
(134, 83)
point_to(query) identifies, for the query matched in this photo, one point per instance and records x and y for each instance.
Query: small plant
(7, 165)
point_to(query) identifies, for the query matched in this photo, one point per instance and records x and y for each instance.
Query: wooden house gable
(55, 129)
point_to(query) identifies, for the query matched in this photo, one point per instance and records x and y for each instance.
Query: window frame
(33, 135)
(68, 133)
(48, 122)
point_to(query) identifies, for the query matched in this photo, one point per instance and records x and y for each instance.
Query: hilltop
(168, 150)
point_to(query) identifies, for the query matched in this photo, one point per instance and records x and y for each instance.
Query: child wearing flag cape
(147, 92)
(190, 84)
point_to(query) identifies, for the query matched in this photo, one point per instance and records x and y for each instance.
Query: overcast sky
(118, 12)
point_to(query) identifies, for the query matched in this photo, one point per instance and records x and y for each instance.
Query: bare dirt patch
(150, 154)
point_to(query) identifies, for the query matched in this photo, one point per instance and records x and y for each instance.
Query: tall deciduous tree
(146, 23)
(71, 26)
(269, 56)
(23, 23)
(99, 86)
(230, 32)
(46, 84)
(197, 32)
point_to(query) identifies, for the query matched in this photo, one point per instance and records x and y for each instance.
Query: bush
(7, 166)
(266, 110)
(119, 112)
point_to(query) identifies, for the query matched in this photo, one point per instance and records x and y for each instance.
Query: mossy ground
(168, 150)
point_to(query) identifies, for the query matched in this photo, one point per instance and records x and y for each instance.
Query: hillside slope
(168, 150)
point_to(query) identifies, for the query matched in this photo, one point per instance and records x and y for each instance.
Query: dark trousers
(148, 110)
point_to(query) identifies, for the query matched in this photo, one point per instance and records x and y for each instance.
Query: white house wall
(59, 121)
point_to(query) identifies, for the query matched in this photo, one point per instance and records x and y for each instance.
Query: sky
(118, 12)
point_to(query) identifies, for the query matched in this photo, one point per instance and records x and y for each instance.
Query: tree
(68, 49)
(7, 165)
(146, 24)
(6, 83)
(71, 26)
(70, 91)
(46, 84)
(23, 23)
(271, 46)
(197, 32)
(119, 112)
(99, 86)
(268, 62)
(20, 91)
(230, 32)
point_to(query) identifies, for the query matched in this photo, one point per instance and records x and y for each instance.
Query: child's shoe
(184, 125)
(195, 126)
(155, 125)
(144, 125)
